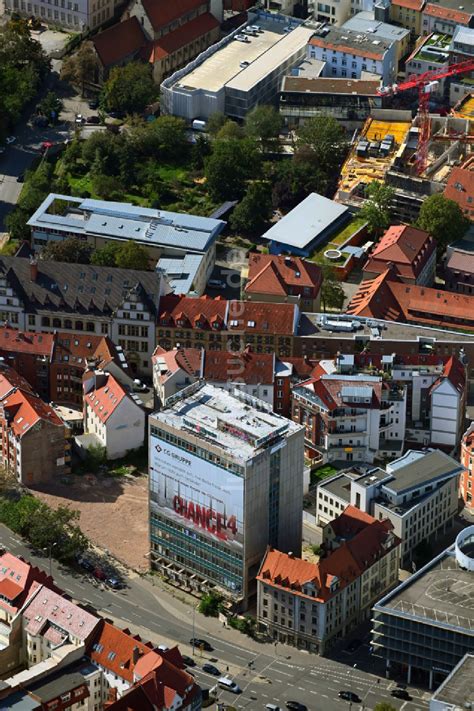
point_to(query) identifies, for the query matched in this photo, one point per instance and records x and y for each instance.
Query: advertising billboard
(196, 493)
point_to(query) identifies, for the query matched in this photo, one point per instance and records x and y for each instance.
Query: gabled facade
(313, 605)
(409, 251)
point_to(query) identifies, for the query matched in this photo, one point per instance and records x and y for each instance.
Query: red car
(99, 574)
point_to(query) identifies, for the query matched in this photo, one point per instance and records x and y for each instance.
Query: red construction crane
(425, 83)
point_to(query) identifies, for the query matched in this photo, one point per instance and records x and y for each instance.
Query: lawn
(322, 473)
(344, 234)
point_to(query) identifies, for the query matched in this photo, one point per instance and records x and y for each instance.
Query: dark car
(189, 661)
(401, 694)
(201, 644)
(86, 564)
(114, 583)
(353, 645)
(211, 669)
(93, 104)
(40, 121)
(93, 119)
(99, 574)
(349, 696)
(296, 706)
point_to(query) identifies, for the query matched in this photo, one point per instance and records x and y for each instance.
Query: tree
(293, 180)
(215, 122)
(443, 219)
(230, 129)
(230, 165)
(70, 250)
(254, 210)
(50, 106)
(107, 186)
(132, 256)
(377, 208)
(264, 124)
(15, 223)
(106, 256)
(326, 140)
(129, 89)
(210, 604)
(169, 133)
(57, 526)
(81, 67)
(332, 293)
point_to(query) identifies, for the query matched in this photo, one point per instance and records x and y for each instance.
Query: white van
(272, 707)
(226, 683)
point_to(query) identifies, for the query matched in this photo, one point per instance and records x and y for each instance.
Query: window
(31, 320)
(79, 326)
(45, 321)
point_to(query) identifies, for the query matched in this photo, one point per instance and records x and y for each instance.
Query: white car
(10, 139)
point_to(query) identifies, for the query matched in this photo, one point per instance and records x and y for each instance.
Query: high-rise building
(226, 480)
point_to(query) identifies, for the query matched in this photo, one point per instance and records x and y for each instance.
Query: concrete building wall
(125, 429)
(42, 454)
(69, 14)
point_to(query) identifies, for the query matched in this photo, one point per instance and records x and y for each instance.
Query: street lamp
(49, 548)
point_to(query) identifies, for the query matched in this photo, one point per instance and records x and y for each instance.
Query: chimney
(291, 554)
(136, 654)
(33, 268)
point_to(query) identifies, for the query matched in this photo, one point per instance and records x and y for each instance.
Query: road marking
(284, 673)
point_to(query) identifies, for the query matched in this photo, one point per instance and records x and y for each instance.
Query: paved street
(278, 673)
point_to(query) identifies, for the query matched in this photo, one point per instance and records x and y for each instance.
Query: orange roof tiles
(163, 12)
(26, 342)
(119, 41)
(339, 47)
(26, 410)
(410, 4)
(18, 581)
(116, 650)
(346, 563)
(272, 274)
(106, 398)
(446, 13)
(406, 248)
(460, 187)
(11, 379)
(350, 522)
(252, 368)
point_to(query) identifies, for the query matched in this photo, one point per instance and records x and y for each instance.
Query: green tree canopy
(169, 132)
(230, 129)
(443, 219)
(326, 139)
(50, 106)
(215, 122)
(210, 604)
(81, 67)
(70, 250)
(231, 164)
(264, 123)
(131, 255)
(251, 215)
(106, 256)
(293, 180)
(377, 207)
(332, 293)
(129, 89)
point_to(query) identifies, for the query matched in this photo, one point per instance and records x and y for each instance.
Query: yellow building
(407, 13)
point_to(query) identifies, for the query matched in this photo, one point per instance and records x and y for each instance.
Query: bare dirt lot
(114, 512)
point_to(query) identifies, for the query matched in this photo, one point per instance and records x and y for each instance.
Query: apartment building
(49, 296)
(349, 54)
(445, 16)
(226, 480)
(221, 324)
(425, 624)
(80, 16)
(418, 493)
(410, 252)
(433, 53)
(364, 22)
(460, 188)
(113, 416)
(466, 483)
(313, 605)
(350, 418)
(280, 279)
(408, 13)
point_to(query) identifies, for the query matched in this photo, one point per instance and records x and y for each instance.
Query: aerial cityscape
(237, 355)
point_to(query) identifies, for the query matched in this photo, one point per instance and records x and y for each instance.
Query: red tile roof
(407, 248)
(11, 379)
(187, 359)
(455, 372)
(26, 410)
(446, 13)
(350, 522)
(410, 4)
(248, 367)
(50, 608)
(116, 650)
(163, 12)
(386, 298)
(18, 581)
(181, 37)
(460, 187)
(104, 399)
(346, 563)
(10, 589)
(243, 316)
(340, 47)
(330, 390)
(277, 275)
(120, 41)
(41, 344)
(77, 348)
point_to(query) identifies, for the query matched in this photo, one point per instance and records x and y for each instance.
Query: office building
(418, 493)
(350, 54)
(457, 690)
(426, 624)
(314, 605)
(240, 71)
(99, 222)
(226, 480)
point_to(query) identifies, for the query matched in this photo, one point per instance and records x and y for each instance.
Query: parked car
(211, 669)
(86, 564)
(200, 643)
(401, 694)
(216, 284)
(80, 119)
(229, 685)
(93, 119)
(93, 104)
(99, 574)
(189, 661)
(349, 696)
(114, 583)
(296, 706)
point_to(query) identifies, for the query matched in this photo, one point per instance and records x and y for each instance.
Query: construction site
(388, 150)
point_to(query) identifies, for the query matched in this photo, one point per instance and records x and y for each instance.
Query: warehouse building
(240, 71)
(226, 480)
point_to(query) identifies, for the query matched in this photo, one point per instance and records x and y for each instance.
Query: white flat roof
(276, 55)
(306, 221)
